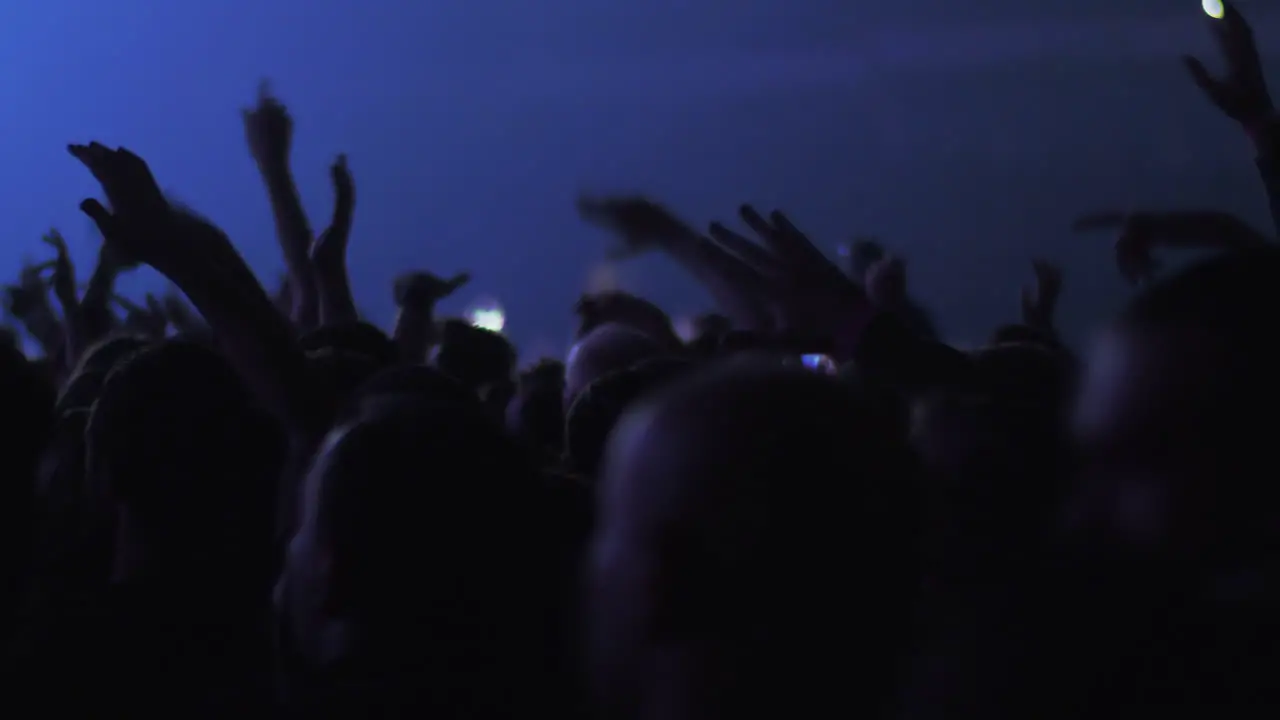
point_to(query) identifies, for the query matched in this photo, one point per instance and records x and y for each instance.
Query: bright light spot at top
(487, 315)
(1213, 8)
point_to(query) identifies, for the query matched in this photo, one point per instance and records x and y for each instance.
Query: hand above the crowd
(420, 289)
(1141, 233)
(330, 248)
(641, 224)
(810, 294)
(269, 133)
(201, 260)
(148, 320)
(63, 279)
(329, 252)
(141, 226)
(268, 129)
(25, 297)
(1241, 92)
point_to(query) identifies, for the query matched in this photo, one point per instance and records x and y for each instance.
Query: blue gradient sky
(967, 134)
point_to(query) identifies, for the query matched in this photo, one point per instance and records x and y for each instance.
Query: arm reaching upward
(416, 295)
(329, 253)
(1241, 94)
(28, 303)
(200, 260)
(269, 131)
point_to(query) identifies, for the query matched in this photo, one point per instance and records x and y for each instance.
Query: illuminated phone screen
(819, 363)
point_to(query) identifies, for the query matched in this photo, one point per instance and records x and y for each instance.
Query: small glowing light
(487, 315)
(820, 363)
(1213, 8)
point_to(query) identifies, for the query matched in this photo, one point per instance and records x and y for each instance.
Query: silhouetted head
(606, 349)
(753, 550)
(474, 356)
(596, 411)
(1173, 413)
(191, 464)
(419, 576)
(536, 414)
(623, 308)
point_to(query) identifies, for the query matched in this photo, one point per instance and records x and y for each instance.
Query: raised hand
(1241, 93)
(330, 248)
(63, 279)
(29, 294)
(422, 289)
(140, 220)
(1040, 300)
(148, 320)
(640, 223)
(809, 292)
(1140, 233)
(328, 253)
(268, 129)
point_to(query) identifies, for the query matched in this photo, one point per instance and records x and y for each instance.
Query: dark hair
(598, 408)
(474, 356)
(180, 441)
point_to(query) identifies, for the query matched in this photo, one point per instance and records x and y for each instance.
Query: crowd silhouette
(228, 500)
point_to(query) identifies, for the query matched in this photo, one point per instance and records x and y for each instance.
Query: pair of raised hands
(269, 134)
(268, 130)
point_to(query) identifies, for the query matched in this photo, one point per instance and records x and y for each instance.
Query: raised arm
(201, 261)
(269, 132)
(63, 282)
(416, 295)
(28, 303)
(729, 276)
(1241, 94)
(329, 253)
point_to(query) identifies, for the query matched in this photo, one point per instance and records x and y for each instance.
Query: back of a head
(433, 526)
(1215, 323)
(413, 482)
(774, 510)
(625, 309)
(607, 349)
(336, 375)
(596, 411)
(1225, 305)
(1203, 372)
(536, 414)
(474, 356)
(178, 440)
